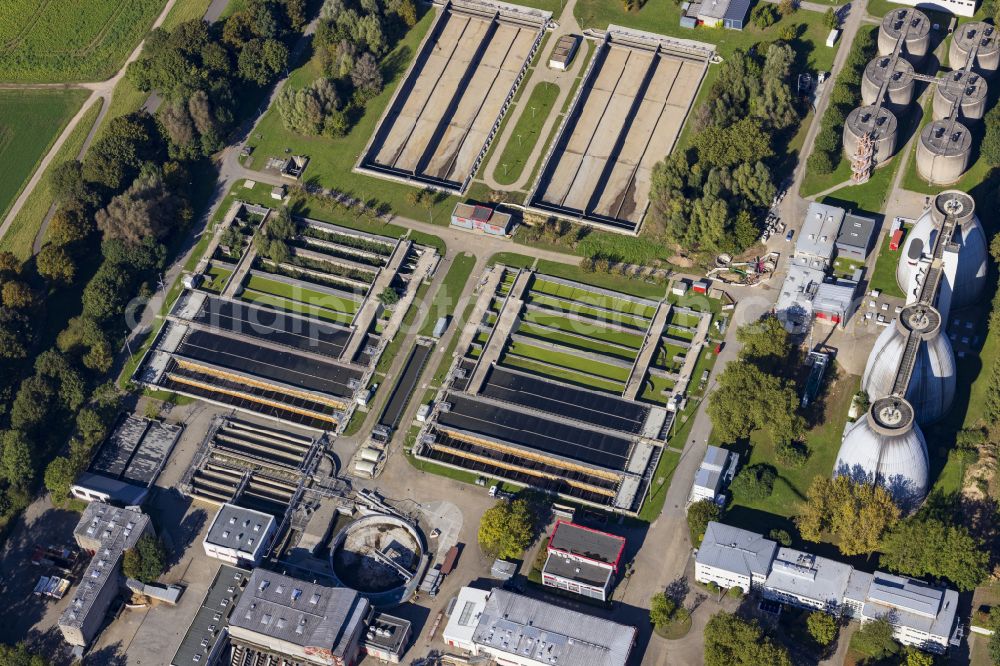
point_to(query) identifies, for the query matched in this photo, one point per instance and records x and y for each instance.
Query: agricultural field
(49, 41)
(30, 122)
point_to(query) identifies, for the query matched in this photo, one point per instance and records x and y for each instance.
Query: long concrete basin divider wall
(495, 11)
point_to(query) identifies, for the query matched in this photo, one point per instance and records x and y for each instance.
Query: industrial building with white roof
(921, 615)
(519, 631)
(239, 535)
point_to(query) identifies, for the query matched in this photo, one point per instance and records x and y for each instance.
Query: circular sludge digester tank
(944, 152)
(967, 88)
(898, 74)
(887, 447)
(911, 22)
(966, 38)
(881, 124)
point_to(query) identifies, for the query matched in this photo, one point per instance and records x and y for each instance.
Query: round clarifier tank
(896, 74)
(887, 447)
(944, 152)
(967, 89)
(967, 38)
(880, 123)
(907, 21)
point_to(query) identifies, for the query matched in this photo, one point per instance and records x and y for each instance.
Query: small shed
(503, 570)
(831, 39)
(278, 192)
(440, 327)
(679, 288)
(562, 54)
(701, 286)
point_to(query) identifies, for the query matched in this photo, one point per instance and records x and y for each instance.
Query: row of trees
(352, 37)
(107, 241)
(863, 519)
(709, 196)
(845, 96)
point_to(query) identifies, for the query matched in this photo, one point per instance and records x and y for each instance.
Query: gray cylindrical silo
(881, 126)
(911, 22)
(944, 152)
(896, 75)
(967, 88)
(969, 36)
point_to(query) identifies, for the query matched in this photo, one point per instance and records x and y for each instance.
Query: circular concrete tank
(966, 38)
(967, 88)
(899, 75)
(911, 22)
(944, 152)
(882, 125)
(381, 556)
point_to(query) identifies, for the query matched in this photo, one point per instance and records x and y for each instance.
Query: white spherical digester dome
(887, 447)
(973, 253)
(931, 388)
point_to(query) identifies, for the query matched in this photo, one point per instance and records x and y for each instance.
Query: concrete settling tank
(882, 125)
(944, 151)
(897, 76)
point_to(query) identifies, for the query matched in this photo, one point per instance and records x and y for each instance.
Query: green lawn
(883, 277)
(569, 361)
(331, 160)
(303, 295)
(186, 10)
(824, 443)
(554, 320)
(868, 197)
(653, 389)
(288, 305)
(448, 294)
(30, 122)
(663, 16)
(577, 341)
(664, 473)
(626, 285)
(219, 277)
(20, 237)
(564, 375)
(525, 134)
(591, 298)
(586, 311)
(70, 40)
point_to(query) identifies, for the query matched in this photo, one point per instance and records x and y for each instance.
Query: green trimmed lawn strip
(569, 361)
(883, 277)
(554, 320)
(626, 285)
(525, 134)
(451, 288)
(590, 298)
(219, 276)
(303, 295)
(576, 342)
(662, 476)
(567, 376)
(575, 308)
(653, 388)
(296, 307)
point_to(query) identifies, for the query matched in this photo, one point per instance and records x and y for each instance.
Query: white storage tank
(931, 389)
(371, 455)
(364, 468)
(887, 447)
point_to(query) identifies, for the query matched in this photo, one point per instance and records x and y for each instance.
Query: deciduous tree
(920, 546)
(147, 561)
(857, 514)
(875, 639)
(822, 627)
(506, 529)
(699, 515)
(732, 641)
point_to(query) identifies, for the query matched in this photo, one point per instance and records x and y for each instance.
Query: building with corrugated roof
(732, 557)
